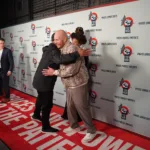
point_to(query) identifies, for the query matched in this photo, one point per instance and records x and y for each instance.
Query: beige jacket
(76, 74)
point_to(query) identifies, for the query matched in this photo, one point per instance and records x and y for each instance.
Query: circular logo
(124, 110)
(94, 17)
(21, 39)
(33, 43)
(127, 51)
(93, 67)
(22, 55)
(33, 26)
(93, 94)
(126, 84)
(23, 72)
(48, 30)
(12, 49)
(11, 35)
(34, 61)
(24, 86)
(93, 42)
(128, 22)
(68, 35)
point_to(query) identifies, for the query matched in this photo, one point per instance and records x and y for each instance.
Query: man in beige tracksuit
(75, 79)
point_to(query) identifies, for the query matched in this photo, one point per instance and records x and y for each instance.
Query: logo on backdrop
(12, 49)
(14, 79)
(48, 31)
(125, 85)
(68, 34)
(11, 36)
(93, 17)
(124, 111)
(34, 62)
(21, 40)
(127, 22)
(93, 43)
(127, 52)
(33, 28)
(34, 45)
(23, 73)
(93, 69)
(24, 87)
(3, 33)
(22, 57)
(93, 96)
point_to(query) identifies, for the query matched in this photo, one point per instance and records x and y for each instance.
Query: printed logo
(93, 69)
(14, 79)
(23, 73)
(125, 85)
(127, 52)
(93, 18)
(34, 62)
(93, 43)
(22, 57)
(11, 36)
(68, 34)
(48, 32)
(12, 49)
(93, 96)
(24, 87)
(124, 111)
(34, 45)
(127, 22)
(33, 28)
(21, 40)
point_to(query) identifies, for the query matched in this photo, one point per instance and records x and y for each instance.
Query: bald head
(60, 38)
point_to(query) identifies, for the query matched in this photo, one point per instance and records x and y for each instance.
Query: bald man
(75, 79)
(45, 85)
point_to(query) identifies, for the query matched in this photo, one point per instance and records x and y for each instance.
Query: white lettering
(7, 122)
(60, 145)
(28, 125)
(47, 144)
(114, 146)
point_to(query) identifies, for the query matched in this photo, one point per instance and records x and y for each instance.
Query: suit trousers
(4, 84)
(44, 103)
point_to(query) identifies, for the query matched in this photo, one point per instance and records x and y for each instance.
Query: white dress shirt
(1, 51)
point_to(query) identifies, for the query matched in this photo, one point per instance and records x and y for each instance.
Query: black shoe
(50, 129)
(64, 117)
(36, 118)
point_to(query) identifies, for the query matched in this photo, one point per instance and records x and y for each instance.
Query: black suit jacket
(51, 58)
(7, 62)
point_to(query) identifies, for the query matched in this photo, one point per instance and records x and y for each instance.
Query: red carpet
(19, 132)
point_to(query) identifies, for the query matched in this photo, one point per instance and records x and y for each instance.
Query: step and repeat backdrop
(119, 37)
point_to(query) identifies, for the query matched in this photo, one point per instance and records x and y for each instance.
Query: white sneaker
(88, 137)
(69, 129)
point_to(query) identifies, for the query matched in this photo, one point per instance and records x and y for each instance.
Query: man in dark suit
(6, 68)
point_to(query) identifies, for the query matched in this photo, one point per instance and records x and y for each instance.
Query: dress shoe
(5, 100)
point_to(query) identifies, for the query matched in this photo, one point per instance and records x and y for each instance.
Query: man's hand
(48, 72)
(84, 52)
(8, 73)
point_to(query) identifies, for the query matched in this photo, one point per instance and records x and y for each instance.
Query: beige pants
(77, 100)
